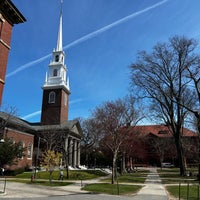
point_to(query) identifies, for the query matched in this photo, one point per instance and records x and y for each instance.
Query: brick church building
(54, 131)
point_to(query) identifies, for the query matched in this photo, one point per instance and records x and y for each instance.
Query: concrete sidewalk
(153, 189)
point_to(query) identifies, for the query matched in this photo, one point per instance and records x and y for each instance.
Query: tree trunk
(50, 176)
(123, 170)
(114, 166)
(66, 165)
(179, 148)
(198, 127)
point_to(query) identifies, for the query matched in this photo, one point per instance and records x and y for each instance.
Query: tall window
(1, 25)
(29, 150)
(57, 58)
(21, 146)
(65, 99)
(2, 20)
(55, 72)
(52, 97)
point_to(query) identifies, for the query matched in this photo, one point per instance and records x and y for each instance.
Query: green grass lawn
(112, 188)
(136, 177)
(132, 178)
(172, 175)
(73, 175)
(192, 193)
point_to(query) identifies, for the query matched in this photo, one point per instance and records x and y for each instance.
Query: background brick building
(10, 126)
(9, 15)
(154, 144)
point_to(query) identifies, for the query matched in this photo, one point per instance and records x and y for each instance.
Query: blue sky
(101, 39)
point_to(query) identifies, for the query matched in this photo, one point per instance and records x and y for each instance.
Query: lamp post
(197, 114)
(2, 170)
(94, 153)
(37, 154)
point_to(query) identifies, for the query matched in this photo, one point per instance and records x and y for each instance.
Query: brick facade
(5, 37)
(27, 141)
(54, 113)
(9, 15)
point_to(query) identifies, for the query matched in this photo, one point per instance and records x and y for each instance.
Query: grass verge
(112, 189)
(42, 182)
(191, 193)
(136, 177)
(189, 188)
(172, 176)
(131, 178)
(73, 175)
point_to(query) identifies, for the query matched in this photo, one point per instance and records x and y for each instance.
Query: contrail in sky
(88, 36)
(36, 113)
(32, 115)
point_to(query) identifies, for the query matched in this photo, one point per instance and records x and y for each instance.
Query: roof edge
(6, 7)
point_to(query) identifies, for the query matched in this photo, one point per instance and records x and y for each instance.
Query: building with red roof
(154, 144)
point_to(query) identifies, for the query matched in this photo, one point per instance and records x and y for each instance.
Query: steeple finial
(59, 41)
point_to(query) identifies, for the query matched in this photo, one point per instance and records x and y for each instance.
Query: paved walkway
(153, 190)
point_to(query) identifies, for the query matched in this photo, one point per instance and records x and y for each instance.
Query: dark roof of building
(20, 124)
(14, 121)
(160, 131)
(10, 12)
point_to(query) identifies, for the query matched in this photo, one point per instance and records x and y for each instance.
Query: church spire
(57, 68)
(59, 41)
(56, 89)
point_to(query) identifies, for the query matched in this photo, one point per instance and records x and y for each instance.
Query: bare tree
(161, 146)
(110, 118)
(160, 77)
(8, 114)
(90, 138)
(10, 153)
(54, 139)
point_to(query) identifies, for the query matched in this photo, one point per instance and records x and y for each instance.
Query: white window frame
(52, 97)
(30, 150)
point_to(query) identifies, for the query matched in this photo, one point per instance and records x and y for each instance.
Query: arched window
(52, 97)
(57, 58)
(55, 72)
(29, 150)
(21, 153)
(65, 99)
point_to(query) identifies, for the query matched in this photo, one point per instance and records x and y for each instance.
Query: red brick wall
(5, 38)
(54, 113)
(26, 139)
(64, 106)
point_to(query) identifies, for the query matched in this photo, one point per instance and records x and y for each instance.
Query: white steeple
(56, 77)
(59, 41)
